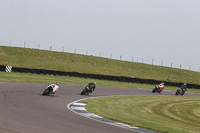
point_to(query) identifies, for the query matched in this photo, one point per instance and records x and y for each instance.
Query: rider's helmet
(162, 83)
(185, 84)
(94, 83)
(57, 83)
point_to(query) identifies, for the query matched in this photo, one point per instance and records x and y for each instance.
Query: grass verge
(40, 78)
(172, 114)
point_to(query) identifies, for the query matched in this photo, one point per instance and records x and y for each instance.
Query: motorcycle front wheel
(154, 90)
(45, 92)
(84, 92)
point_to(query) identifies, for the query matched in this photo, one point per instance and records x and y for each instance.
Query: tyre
(83, 92)
(176, 93)
(45, 92)
(154, 90)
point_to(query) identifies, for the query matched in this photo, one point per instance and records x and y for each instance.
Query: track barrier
(93, 76)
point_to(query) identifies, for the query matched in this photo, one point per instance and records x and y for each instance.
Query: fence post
(162, 63)
(86, 52)
(38, 46)
(171, 64)
(142, 60)
(63, 49)
(132, 59)
(152, 61)
(180, 66)
(24, 44)
(110, 56)
(120, 57)
(75, 51)
(100, 54)
(50, 48)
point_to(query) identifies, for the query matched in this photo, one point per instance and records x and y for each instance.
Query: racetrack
(24, 110)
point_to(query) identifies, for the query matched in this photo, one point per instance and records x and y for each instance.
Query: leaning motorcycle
(156, 89)
(86, 91)
(180, 92)
(48, 91)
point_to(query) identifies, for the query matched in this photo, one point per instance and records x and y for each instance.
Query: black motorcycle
(48, 92)
(156, 89)
(180, 91)
(86, 91)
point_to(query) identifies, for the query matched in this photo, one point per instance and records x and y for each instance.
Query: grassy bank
(43, 59)
(172, 114)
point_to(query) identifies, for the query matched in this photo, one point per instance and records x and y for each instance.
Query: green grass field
(170, 114)
(43, 59)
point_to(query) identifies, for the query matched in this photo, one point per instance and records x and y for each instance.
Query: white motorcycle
(51, 90)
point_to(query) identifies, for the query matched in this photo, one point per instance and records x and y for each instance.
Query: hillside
(43, 59)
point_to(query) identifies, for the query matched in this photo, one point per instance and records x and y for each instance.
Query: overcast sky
(163, 30)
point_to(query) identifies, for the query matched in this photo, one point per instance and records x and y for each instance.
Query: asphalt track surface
(24, 110)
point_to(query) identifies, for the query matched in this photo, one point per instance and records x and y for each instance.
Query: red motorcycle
(158, 88)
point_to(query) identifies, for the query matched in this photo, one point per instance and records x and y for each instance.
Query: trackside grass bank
(173, 114)
(61, 61)
(40, 78)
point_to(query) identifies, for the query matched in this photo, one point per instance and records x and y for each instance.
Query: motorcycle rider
(91, 86)
(183, 87)
(53, 88)
(160, 86)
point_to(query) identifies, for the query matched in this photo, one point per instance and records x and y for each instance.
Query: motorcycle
(86, 91)
(48, 91)
(180, 92)
(156, 89)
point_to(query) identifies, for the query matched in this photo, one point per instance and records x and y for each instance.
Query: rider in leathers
(183, 87)
(92, 86)
(160, 86)
(53, 87)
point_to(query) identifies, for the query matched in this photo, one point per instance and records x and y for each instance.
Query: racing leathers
(160, 86)
(92, 86)
(53, 88)
(183, 88)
